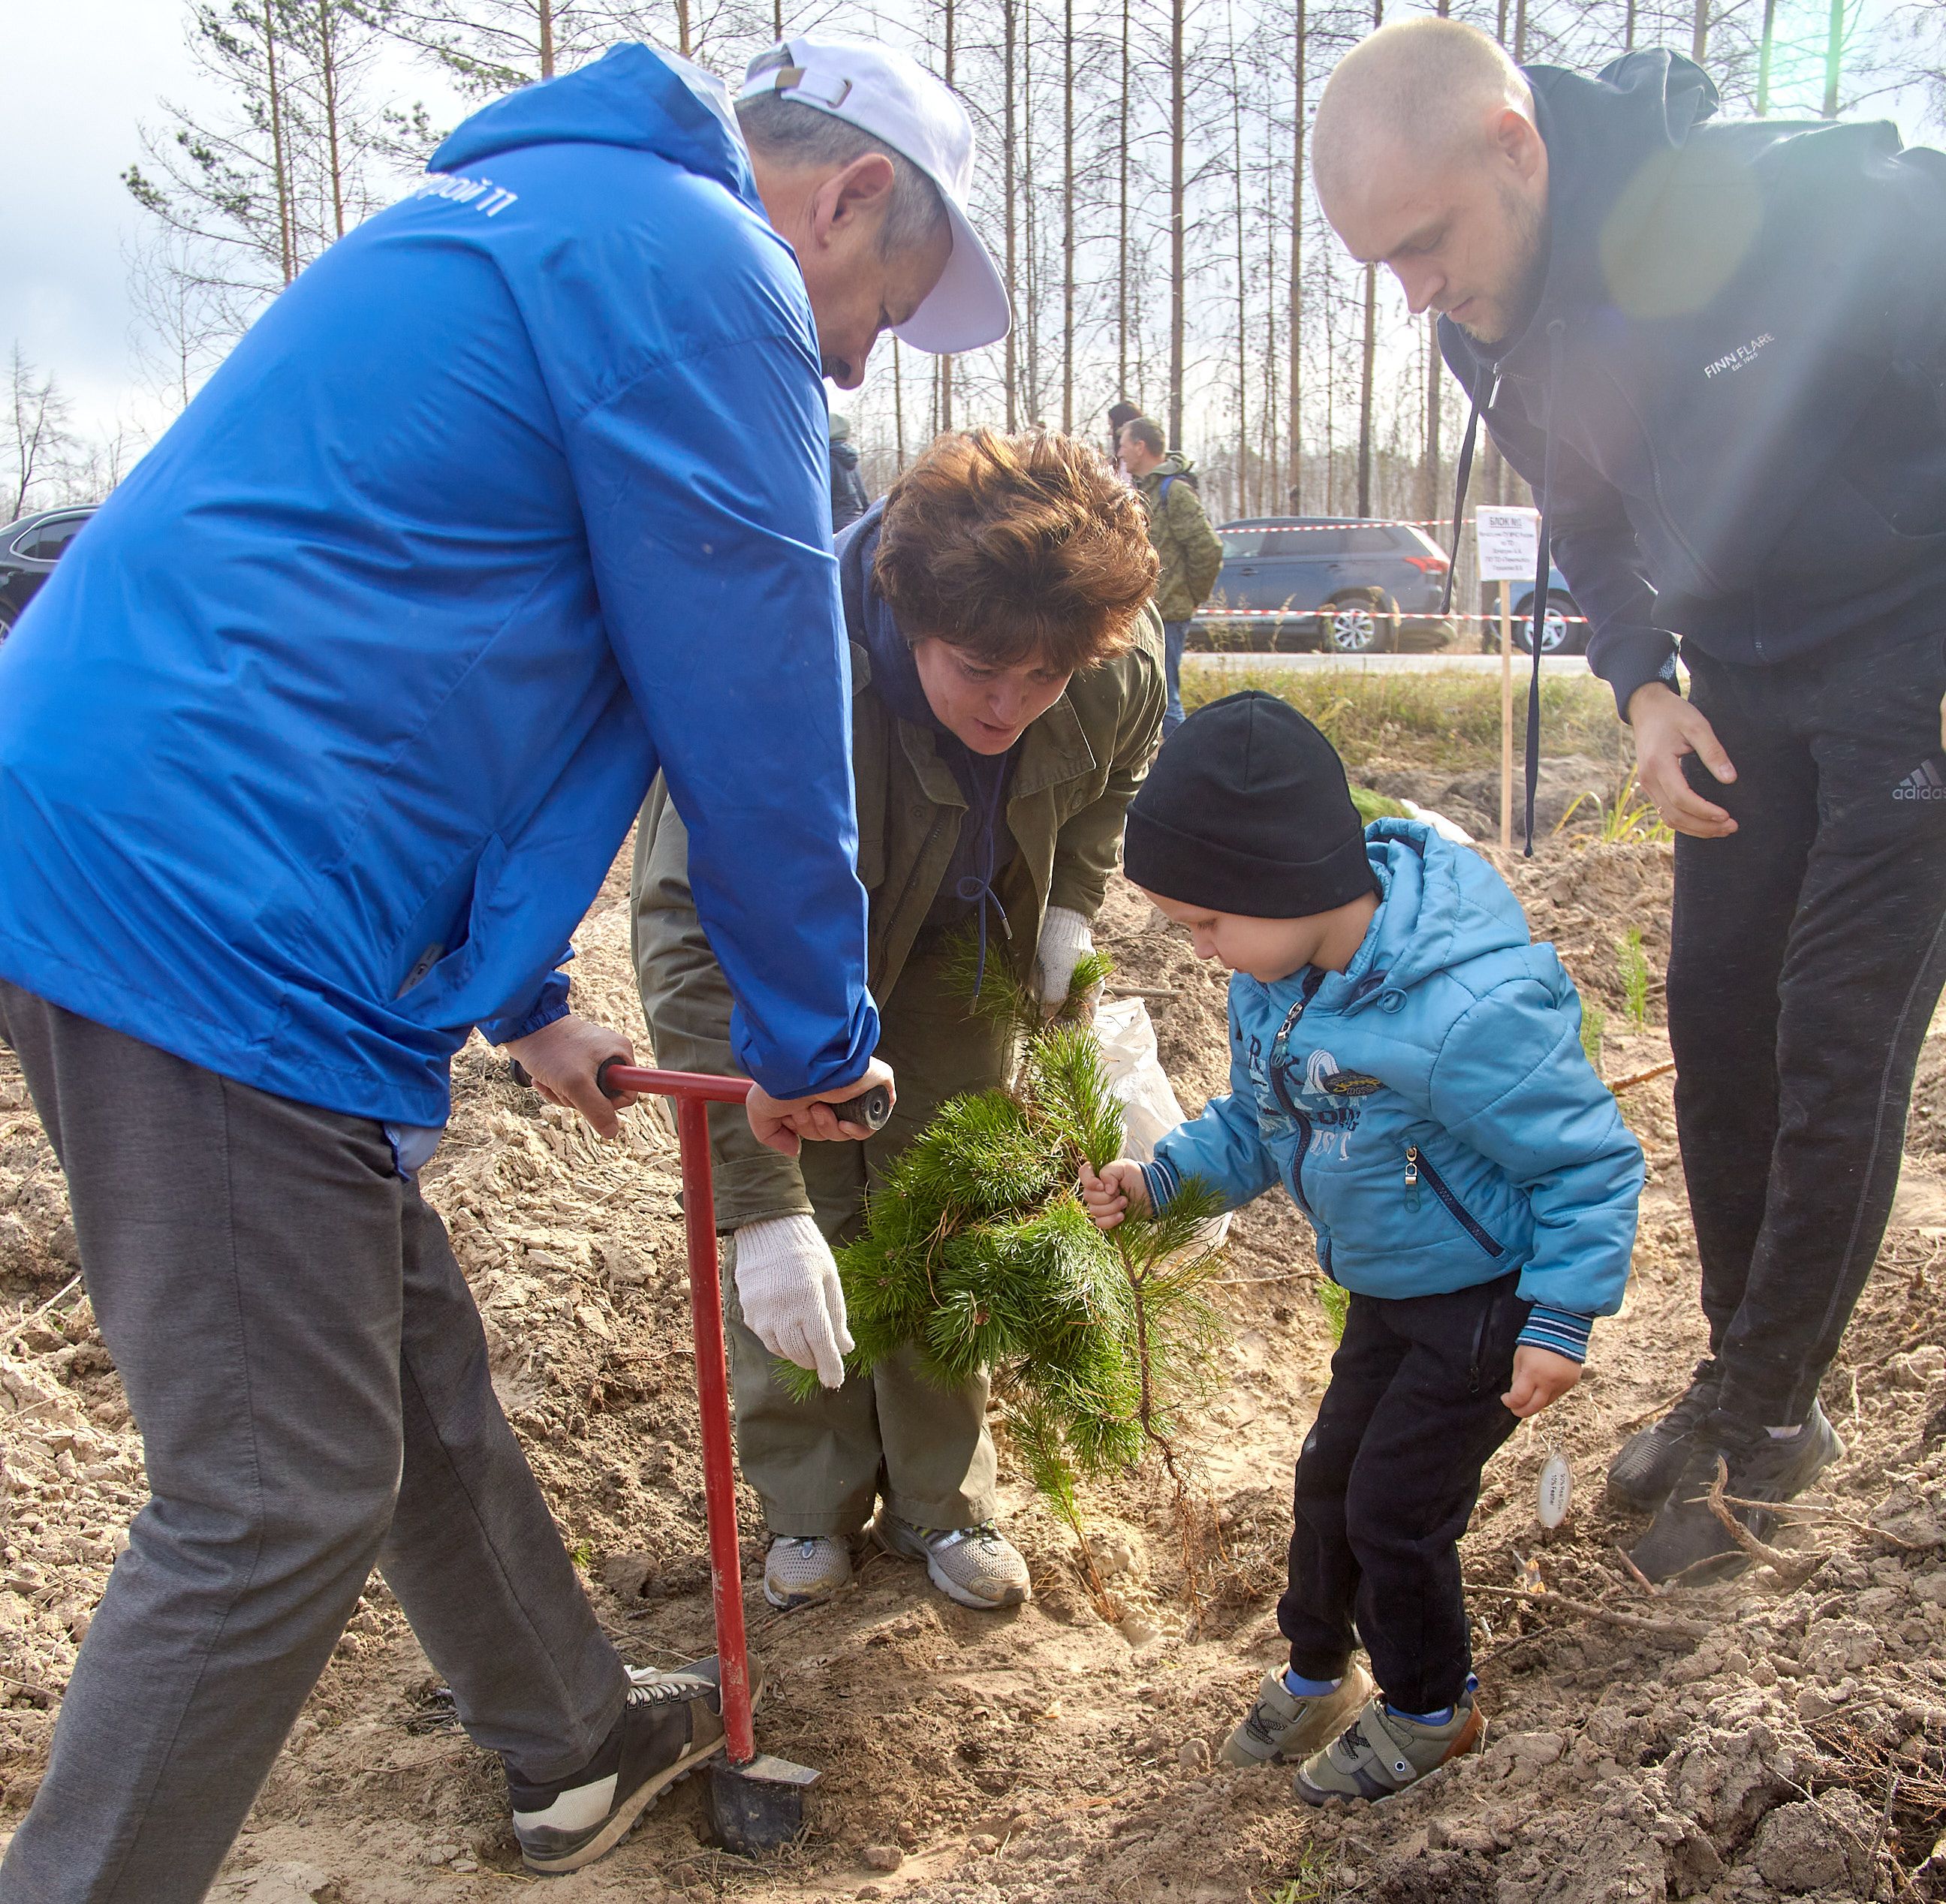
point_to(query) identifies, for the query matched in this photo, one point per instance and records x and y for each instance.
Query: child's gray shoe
(1384, 1753)
(978, 1566)
(1282, 1725)
(801, 1570)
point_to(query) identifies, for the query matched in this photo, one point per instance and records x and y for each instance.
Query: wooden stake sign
(1508, 541)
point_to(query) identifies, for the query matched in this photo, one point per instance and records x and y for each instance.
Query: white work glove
(791, 1300)
(1065, 941)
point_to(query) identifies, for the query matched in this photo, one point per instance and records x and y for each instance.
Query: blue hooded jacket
(1430, 1106)
(318, 744)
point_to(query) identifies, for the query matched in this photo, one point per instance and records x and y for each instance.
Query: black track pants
(1807, 954)
(1386, 1484)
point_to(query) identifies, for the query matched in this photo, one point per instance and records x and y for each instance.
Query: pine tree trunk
(1122, 228)
(544, 10)
(1367, 373)
(1177, 198)
(1699, 33)
(1243, 296)
(1834, 58)
(1295, 465)
(280, 170)
(1765, 46)
(1629, 30)
(1031, 384)
(898, 407)
(1435, 366)
(1331, 410)
(1435, 403)
(1067, 218)
(945, 363)
(1009, 174)
(327, 69)
(681, 27)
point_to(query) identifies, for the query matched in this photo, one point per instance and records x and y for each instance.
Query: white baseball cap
(893, 97)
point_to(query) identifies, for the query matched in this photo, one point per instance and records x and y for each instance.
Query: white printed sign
(1508, 541)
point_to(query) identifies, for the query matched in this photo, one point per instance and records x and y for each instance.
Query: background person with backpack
(1190, 552)
(848, 499)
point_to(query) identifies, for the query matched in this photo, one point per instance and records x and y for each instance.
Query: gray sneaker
(978, 1566)
(801, 1569)
(1282, 1726)
(1383, 1753)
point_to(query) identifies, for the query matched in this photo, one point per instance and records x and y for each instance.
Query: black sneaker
(1642, 1475)
(1686, 1540)
(672, 1722)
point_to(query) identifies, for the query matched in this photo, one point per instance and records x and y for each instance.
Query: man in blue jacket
(312, 755)
(1718, 353)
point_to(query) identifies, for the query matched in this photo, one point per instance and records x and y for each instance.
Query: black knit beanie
(1247, 811)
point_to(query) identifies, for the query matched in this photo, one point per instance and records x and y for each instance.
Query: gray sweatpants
(308, 1372)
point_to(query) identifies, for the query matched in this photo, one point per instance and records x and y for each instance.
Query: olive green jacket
(1186, 544)
(1079, 766)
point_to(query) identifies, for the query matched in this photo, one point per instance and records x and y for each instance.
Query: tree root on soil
(1671, 1628)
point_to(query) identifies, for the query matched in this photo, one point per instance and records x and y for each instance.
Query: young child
(1409, 1067)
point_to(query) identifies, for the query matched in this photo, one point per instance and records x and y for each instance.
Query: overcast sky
(77, 79)
(74, 80)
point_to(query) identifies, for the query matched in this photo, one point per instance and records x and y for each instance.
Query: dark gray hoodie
(1731, 397)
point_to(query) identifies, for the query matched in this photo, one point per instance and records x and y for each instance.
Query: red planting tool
(756, 1800)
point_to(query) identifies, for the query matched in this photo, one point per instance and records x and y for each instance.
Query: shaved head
(1427, 88)
(1427, 159)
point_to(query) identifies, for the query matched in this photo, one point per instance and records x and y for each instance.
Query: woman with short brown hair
(1007, 698)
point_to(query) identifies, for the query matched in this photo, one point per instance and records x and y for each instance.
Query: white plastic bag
(1149, 1110)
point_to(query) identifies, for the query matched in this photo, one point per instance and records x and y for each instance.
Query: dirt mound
(1774, 1737)
(1571, 788)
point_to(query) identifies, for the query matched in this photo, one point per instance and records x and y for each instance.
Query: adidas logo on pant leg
(1925, 782)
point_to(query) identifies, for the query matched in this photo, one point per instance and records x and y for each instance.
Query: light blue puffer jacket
(1430, 1106)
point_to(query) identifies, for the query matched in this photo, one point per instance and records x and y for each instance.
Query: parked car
(28, 553)
(1352, 585)
(1563, 631)
(28, 550)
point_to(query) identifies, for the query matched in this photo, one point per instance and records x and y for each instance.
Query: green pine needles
(977, 1253)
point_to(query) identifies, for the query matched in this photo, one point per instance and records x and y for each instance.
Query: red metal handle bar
(692, 1091)
(693, 1087)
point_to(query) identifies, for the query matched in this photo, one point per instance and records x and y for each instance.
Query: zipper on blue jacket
(1297, 1162)
(1416, 1167)
(1275, 1072)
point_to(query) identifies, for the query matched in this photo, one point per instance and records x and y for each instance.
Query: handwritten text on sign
(1509, 544)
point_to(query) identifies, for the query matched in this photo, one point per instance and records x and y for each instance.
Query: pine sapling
(1594, 1026)
(1334, 1300)
(976, 1253)
(1634, 965)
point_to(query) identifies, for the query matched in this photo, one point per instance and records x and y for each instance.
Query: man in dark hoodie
(1717, 352)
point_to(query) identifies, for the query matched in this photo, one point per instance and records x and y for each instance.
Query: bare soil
(1767, 1738)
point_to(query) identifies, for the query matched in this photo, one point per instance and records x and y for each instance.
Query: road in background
(1236, 662)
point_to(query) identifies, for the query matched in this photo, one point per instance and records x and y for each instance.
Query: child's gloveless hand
(1118, 1188)
(1540, 1376)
